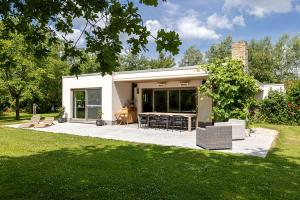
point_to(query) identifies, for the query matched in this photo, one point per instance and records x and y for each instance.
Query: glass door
(147, 96)
(79, 104)
(94, 103)
(160, 101)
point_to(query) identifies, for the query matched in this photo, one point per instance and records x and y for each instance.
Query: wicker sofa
(238, 128)
(214, 137)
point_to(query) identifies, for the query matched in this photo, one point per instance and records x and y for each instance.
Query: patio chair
(214, 137)
(238, 128)
(163, 121)
(153, 121)
(47, 122)
(142, 120)
(178, 122)
(35, 119)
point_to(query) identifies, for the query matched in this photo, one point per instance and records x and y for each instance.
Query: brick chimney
(239, 51)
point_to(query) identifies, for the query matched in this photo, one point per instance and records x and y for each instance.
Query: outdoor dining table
(189, 116)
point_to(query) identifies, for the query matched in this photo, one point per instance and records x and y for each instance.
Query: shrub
(274, 109)
(231, 89)
(293, 98)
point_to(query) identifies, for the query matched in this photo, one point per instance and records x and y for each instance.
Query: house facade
(171, 90)
(163, 90)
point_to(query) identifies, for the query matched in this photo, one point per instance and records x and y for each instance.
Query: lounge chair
(35, 119)
(47, 122)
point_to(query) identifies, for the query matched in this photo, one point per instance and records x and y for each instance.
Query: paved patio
(257, 144)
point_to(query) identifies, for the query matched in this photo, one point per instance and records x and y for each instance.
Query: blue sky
(204, 22)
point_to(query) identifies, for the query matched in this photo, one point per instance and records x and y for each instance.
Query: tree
(219, 51)
(104, 22)
(261, 62)
(191, 57)
(49, 72)
(17, 69)
(162, 61)
(231, 89)
(130, 62)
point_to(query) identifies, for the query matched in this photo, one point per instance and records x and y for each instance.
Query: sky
(201, 23)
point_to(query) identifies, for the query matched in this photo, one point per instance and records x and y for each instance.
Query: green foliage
(293, 97)
(61, 111)
(279, 107)
(104, 21)
(261, 62)
(191, 57)
(274, 63)
(274, 109)
(162, 61)
(231, 89)
(17, 68)
(219, 51)
(268, 63)
(130, 62)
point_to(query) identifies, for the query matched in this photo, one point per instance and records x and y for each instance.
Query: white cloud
(298, 8)
(190, 27)
(153, 26)
(219, 22)
(260, 8)
(239, 21)
(171, 8)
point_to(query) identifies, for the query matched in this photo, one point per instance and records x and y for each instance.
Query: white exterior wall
(121, 93)
(84, 82)
(265, 88)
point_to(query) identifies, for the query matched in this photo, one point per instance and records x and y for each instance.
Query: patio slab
(257, 144)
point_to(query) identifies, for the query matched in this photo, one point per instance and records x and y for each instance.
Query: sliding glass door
(79, 104)
(94, 103)
(87, 103)
(170, 100)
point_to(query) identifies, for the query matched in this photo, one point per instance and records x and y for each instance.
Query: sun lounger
(35, 119)
(47, 122)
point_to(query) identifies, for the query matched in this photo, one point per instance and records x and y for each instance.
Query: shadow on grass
(131, 171)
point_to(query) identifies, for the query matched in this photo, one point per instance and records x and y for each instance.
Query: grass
(40, 165)
(9, 118)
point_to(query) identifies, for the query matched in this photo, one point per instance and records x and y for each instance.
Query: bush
(274, 109)
(231, 89)
(293, 98)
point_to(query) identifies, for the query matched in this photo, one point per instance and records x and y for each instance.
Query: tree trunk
(17, 108)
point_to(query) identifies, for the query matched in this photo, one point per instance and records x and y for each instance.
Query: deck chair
(47, 122)
(35, 119)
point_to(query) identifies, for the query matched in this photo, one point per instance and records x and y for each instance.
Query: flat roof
(190, 72)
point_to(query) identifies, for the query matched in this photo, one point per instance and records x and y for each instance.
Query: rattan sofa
(238, 128)
(214, 137)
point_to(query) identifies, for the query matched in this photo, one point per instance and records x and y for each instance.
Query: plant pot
(60, 120)
(99, 122)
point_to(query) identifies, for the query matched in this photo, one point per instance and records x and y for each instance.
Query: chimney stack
(239, 51)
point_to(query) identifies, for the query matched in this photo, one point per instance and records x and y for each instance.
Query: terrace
(257, 144)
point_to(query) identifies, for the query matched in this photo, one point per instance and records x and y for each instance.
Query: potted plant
(61, 112)
(99, 121)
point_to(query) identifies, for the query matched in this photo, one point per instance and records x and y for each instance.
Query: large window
(170, 100)
(174, 101)
(160, 101)
(87, 103)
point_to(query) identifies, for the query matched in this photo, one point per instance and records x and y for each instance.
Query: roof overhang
(184, 73)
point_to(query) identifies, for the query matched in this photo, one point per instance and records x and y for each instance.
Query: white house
(172, 90)
(161, 90)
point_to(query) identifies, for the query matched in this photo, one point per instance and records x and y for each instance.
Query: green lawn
(40, 165)
(9, 118)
